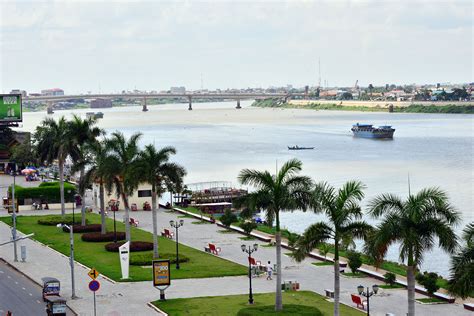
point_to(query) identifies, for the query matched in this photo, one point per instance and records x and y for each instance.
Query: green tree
(429, 281)
(123, 172)
(84, 132)
(24, 153)
(55, 141)
(324, 249)
(156, 169)
(354, 260)
(344, 214)
(390, 278)
(228, 218)
(285, 191)
(248, 226)
(414, 223)
(461, 281)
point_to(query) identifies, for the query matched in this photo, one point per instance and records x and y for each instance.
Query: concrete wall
(132, 199)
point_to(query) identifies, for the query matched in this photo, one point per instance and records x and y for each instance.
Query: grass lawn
(430, 300)
(388, 286)
(294, 303)
(323, 263)
(93, 254)
(354, 275)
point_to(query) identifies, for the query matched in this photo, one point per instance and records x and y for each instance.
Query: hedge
(78, 228)
(98, 237)
(134, 246)
(54, 220)
(146, 259)
(47, 191)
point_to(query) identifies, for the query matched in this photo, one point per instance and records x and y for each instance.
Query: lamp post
(71, 256)
(249, 250)
(177, 225)
(73, 221)
(368, 294)
(13, 206)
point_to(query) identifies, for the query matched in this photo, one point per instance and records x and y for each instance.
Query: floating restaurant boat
(368, 131)
(299, 148)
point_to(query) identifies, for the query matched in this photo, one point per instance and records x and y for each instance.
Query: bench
(329, 293)
(134, 222)
(214, 250)
(469, 306)
(356, 299)
(167, 233)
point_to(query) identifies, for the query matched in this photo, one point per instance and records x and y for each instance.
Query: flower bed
(98, 237)
(134, 246)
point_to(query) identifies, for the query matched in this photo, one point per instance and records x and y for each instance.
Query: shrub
(390, 278)
(228, 218)
(248, 226)
(48, 191)
(54, 220)
(355, 260)
(246, 213)
(98, 237)
(428, 280)
(324, 249)
(134, 246)
(146, 259)
(78, 228)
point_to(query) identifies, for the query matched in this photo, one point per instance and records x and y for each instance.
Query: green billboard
(10, 108)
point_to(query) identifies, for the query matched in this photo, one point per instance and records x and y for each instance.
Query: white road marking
(9, 276)
(30, 294)
(23, 288)
(37, 301)
(1, 271)
(16, 282)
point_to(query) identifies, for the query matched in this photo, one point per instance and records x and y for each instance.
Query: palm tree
(84, 132)
(123, 159)
(344, 224)
(55, 141)
(99, 166)
(461, 282)
(414, 223)
(155, 169)
(285, 191)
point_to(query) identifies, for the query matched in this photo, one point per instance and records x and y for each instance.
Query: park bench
(469, 306)
(134, 222)
(213, 249)
(167, 233)
(356, 299)
(329, 293)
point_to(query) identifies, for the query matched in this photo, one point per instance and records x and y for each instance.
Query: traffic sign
(93, 273)
(94, 285)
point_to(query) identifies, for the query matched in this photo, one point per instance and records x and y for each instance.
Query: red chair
(214, 250)
(167, 233)
(134, 222)
(356, 299)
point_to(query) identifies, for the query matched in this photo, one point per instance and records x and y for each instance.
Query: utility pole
(319, 81)
(15, 251)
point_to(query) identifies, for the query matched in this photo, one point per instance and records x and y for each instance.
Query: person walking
(269, 271)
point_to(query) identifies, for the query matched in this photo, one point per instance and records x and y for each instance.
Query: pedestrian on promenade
(269, 271)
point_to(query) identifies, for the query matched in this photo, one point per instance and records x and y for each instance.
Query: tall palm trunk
(127, 217)
(61, 187)
(82, 195)
(154, 219)
(337, 282)
(102, 209)
(278, 297)
(411, 286)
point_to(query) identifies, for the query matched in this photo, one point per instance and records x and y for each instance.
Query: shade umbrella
(28, 171)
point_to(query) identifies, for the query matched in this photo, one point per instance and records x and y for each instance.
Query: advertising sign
(124, 252)
(161, 272)
(10, 108)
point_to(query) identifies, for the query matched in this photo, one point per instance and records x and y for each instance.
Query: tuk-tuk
(51, 287)
(55, 305)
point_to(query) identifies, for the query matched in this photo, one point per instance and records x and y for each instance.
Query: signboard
(94, 285)
(93, 273)
(124, 252)
(10, 108)
(161, 272)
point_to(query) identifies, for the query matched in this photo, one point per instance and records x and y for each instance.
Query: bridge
(144, 96)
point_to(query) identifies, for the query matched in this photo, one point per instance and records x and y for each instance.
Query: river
(215, 141)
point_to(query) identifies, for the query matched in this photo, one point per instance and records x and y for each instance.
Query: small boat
(299, 148)
(97, 115)
(368, 131)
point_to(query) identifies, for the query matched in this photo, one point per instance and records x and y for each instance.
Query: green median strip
(294, 303)
(93, 254)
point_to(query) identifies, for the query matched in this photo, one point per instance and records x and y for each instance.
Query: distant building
(18, 91)
(54, 91)
(101, 103)
(178, 90)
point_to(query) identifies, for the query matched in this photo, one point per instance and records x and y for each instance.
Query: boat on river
(369, 131)
(299, 148)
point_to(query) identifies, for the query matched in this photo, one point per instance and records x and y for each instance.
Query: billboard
(10, 108)
(161, 272)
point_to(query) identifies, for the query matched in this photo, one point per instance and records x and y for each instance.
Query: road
(19, 294)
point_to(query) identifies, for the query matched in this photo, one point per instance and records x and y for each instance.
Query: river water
(215, 141)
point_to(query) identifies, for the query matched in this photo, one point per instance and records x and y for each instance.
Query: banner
(124, 252)
(10, 108)
(161, 272)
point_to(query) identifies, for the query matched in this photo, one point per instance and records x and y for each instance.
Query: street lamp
(177, 225)
(73, 221)
(368, 294)
(71, 255)
(13, 206)
(249, 249)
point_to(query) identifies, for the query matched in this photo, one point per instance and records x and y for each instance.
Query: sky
(106, 46)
